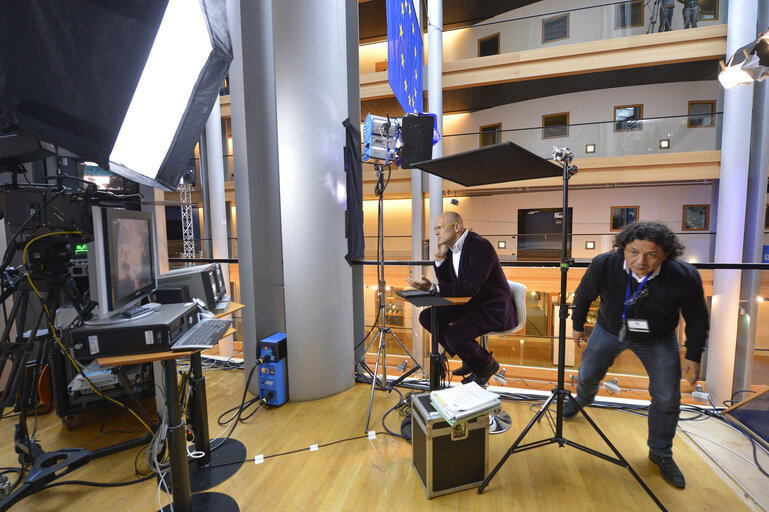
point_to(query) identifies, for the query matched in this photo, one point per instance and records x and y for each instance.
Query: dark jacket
(676, 290)
(480, 277)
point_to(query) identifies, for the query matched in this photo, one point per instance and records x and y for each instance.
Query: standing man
(691, 13)
(666, 15)
(643, 290)
(467, 265)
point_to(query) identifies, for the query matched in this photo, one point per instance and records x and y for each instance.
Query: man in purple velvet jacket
(467, 265)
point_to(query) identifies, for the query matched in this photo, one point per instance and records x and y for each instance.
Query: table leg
(177, 439)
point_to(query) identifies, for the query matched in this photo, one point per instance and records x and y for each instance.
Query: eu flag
(404, 55)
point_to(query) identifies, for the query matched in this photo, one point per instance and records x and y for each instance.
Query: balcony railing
(645, 136)
(536, 346)
(525, 29)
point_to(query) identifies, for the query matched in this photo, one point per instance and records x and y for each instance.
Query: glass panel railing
(201, 248)
(526, 29)
(535, 347)
(658, 135)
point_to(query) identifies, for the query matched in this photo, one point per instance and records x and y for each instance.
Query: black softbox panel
(354, 176)
(69, 68)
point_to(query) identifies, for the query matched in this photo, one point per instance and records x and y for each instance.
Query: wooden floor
(378, 474)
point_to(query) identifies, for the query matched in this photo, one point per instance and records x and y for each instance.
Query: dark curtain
(354, 173)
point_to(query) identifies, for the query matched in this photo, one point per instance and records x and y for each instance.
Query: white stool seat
(499, 420)
(518, 291)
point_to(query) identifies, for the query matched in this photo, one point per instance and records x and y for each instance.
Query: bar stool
(499, 420)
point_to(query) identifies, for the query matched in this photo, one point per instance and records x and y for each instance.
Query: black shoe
(570, 408)
(462, 371)
(483, 375)
(669, 470)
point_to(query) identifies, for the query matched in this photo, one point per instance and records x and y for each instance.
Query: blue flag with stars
(404, 55)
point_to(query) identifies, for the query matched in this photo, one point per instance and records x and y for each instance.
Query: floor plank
(378, 474)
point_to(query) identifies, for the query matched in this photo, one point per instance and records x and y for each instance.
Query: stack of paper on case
(463, 402)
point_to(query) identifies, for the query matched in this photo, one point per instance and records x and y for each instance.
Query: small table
(182, 497)
(434, 301)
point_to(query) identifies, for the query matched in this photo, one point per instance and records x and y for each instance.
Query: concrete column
(417, 227)
(216, 205)
(754, 229)
(257, 179)
(311, 96)
(353, 108)
(732, 198)
(435, 100)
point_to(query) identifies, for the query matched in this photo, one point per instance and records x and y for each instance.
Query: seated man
(467, 265)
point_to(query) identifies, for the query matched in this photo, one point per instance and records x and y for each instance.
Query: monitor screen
(131, 253)
(122, 265)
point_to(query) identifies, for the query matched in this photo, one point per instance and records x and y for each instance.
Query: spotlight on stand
(399, 140)
(748, 64)
(381, 138)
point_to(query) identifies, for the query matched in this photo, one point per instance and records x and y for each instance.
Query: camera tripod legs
(561, 395)
(382, 353)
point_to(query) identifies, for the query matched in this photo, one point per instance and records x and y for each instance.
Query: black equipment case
(447, 459)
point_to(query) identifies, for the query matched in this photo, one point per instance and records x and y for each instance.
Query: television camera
(45, 222)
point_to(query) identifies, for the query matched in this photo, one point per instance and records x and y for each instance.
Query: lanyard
(631, 299)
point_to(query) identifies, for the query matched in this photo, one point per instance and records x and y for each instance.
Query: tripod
(383, 331)
(559, 394)
(26, 354)
(653, 16)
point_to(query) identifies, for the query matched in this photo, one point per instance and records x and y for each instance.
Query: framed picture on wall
(621, 216)
(696, 217)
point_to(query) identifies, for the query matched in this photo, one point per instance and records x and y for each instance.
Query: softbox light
(128, 84)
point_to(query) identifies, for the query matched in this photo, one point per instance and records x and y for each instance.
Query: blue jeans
(662, 361)
(666, 19)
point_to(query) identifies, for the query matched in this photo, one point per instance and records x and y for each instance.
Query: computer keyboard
(135, 311)
(203, 335)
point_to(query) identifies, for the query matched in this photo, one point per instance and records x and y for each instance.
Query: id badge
(636, 325)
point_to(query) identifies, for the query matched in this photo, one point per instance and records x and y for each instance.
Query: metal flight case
(447, 458)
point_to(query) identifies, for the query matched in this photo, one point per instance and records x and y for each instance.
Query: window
(621, 216)
(628, 117)
(709, 10)
(555, 28)
(629, 14)
(555, 125)
(491, 134)
(696, 217)
(488, 45)
(702, 113)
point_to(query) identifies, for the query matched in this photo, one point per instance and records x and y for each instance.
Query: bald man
(466, 265)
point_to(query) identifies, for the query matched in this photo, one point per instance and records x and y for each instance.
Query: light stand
(565, 156)
(653, 16)
(21, 388)
(383, 330)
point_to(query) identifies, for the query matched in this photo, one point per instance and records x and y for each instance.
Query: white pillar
(417, 224)
(732, 198)
(217, 212)
(435, 92)
(311, 98)
(257, 187)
